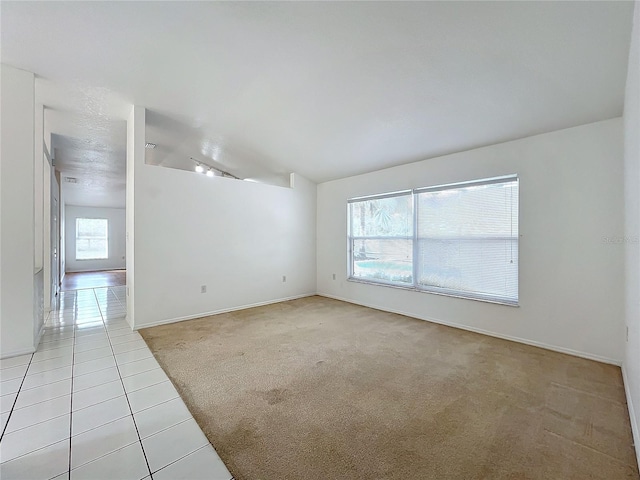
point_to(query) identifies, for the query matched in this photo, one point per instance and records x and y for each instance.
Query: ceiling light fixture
(150, 145)
(211, 171)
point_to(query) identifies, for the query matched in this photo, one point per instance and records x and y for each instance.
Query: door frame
(52, 209)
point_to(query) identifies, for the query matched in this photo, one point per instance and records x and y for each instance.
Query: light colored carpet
(321, 389)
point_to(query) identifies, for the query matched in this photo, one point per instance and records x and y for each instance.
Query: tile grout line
(185, 456)
(101, 426)
(74, 353)
(50, 369)
(52, 358)
(151, 385)
(73, 362)
(13, 408)
(42, 421)
(135, 441)
(15, 400)
(73, 339)
(133, 418)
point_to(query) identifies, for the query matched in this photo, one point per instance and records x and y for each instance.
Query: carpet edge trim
(222, 310)
(533, 343)
(632, 415)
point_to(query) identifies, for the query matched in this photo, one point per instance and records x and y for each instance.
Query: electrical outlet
(203, 289)
(284, 278)
(334, 276)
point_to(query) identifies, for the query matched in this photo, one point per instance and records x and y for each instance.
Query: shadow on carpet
(319, 389)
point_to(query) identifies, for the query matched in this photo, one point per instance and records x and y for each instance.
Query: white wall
(17, 275)
(38, 306)
(38, 221)
(237, 238)
(38, 186)
(570, 279)
(117, 229)
(631, 366)
(135, 162)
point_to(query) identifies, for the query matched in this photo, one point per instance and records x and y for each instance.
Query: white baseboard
(39, 337)
(224, 310)
(632, 414)
(555, 348)
(100, 269)
(25, 351)
(17, 353)
(546, 346)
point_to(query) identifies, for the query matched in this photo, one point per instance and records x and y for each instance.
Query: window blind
(467, 240)
(457, 239)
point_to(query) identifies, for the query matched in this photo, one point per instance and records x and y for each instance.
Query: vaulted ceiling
(325, 89)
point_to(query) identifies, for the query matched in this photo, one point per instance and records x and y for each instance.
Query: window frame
(482, 297)
(352, 238)
(77, 237)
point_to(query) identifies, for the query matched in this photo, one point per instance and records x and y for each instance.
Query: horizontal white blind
(467, 240)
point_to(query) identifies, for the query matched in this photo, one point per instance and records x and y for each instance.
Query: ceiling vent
(150, 145)
(70, 179)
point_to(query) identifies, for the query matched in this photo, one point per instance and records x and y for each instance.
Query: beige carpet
(320, 389)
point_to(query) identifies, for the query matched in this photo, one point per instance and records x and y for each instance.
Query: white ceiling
(325, 89)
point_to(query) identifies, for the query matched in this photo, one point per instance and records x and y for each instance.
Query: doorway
(103, 278)
(55, 247)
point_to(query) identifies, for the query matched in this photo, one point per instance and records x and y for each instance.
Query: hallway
(104, 278)
(93, 403)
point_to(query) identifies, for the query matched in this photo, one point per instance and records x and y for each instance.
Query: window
(381, 240)
(92, 238)
(465, 240)
(468, 240)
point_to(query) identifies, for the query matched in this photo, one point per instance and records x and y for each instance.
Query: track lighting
(211, 171)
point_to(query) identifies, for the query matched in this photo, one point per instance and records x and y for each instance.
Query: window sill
(442, 294)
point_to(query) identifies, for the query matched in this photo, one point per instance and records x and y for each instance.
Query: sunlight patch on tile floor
(93, 403)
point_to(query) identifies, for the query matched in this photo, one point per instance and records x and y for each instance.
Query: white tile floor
(93, 403)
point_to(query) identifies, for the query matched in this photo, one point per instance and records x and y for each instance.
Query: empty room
(319, 240)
